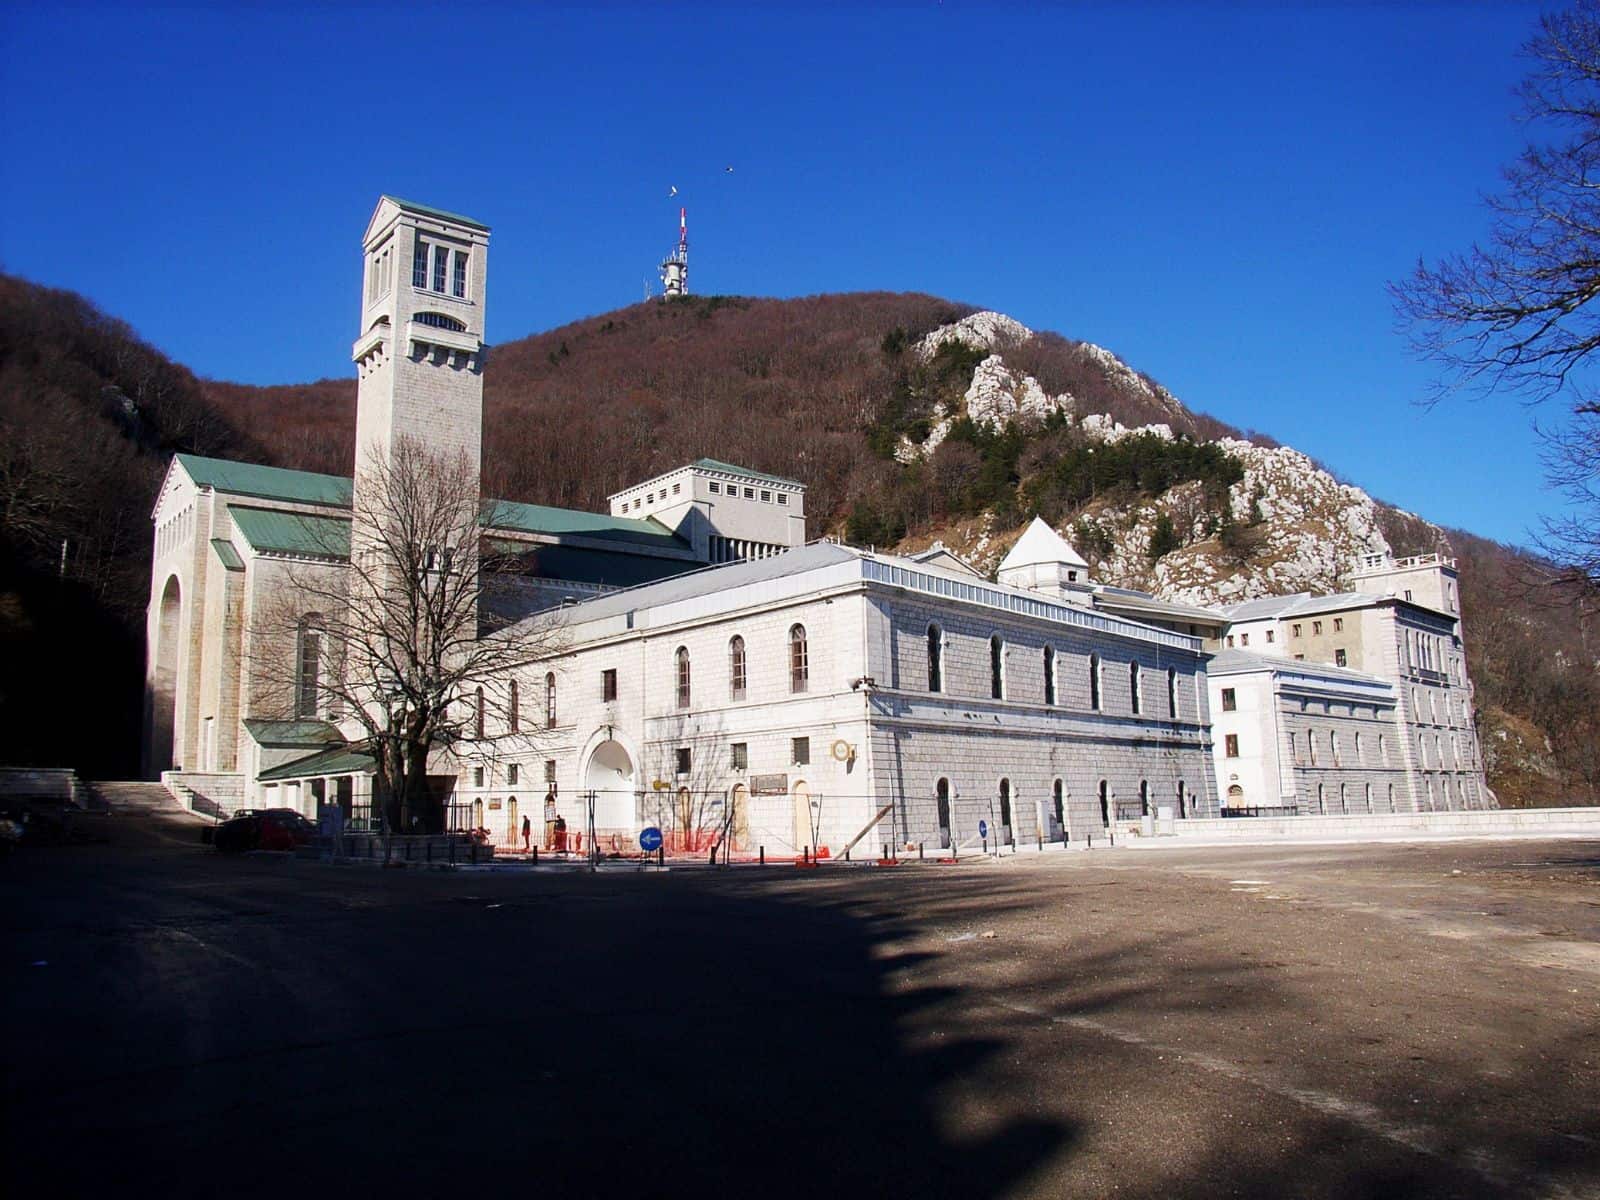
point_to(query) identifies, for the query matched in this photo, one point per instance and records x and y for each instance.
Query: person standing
(527, 833)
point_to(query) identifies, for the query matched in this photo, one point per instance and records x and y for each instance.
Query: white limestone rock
(982, 331)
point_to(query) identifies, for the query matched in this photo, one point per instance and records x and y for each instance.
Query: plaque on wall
(494, 806)
(769, 785)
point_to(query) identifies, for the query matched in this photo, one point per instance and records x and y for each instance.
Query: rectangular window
(682, 760)
(608, 684)
(1244, 639)
(1316, 628)
(782, 498)
(477, 777)
(716, 488)
(800, 751)
(1338, 658)
(766, 496)
(1299, 657)
(1270, 637)
(1230, 701)
(419, 265)
(460, 281)
(441, 256)
(511, 774)
(550, 773)
(741, 756)
(676, 488)
(1232, 741)
(1338, 624)
(1230, 639)
(1294, 631)
(749, 493)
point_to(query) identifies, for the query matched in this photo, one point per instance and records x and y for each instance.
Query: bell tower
(420, 355)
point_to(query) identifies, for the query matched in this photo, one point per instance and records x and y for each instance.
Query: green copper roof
(540, 518)
(270, 531)
(229, 556)
(267, 483)
(711, 464)
(429, 210)
(337, 760)
(304, 731)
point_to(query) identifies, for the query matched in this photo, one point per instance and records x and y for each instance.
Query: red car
(264, 829)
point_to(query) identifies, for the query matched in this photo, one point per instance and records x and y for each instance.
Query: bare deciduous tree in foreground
(395, 640)
(1518, 312)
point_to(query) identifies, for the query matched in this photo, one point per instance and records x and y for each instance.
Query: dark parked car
(263, 829)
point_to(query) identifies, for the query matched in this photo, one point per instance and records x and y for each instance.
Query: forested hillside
(908, 417)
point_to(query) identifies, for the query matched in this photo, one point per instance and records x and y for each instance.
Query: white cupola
(1044, 561)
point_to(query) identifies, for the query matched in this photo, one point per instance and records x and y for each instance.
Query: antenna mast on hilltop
(675, 270)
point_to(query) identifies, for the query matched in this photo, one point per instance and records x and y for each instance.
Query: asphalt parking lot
(1397, 1020)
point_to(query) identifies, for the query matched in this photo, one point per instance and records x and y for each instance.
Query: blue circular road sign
(983, 829)
(650, 839)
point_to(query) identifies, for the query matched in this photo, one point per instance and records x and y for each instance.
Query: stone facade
(838, 718)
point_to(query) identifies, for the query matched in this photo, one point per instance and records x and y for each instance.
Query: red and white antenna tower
(675, 269)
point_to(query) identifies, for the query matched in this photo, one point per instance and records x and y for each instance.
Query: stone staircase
(132, 799)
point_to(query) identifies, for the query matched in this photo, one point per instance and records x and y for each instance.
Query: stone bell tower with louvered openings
(421, 353)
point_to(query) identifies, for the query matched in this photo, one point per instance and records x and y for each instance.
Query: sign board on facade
(494, 806)
(769, 785)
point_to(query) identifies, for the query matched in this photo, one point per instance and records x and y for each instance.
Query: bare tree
(1517, 313)
(393, 638)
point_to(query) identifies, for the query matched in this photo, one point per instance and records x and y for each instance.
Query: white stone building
(827, 693)
(1402, 633)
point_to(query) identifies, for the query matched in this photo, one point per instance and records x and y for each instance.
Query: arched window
(799, 660)
(1322, 804)
(550, 700)
(1235, 795)
(1183, 807)
(935, 659)
(308, 666)
(477, 718)
(1391, 797)
(1105, 805)
(514, 713)
(1049, 674)
(942, 796)
(1359, 760)
(1133, 686)
(1144, 797)
(1094, 684)
(1333, 745)
(1383, 750)
(682, 660)
(1060, 798)
(997, 667)
(1172, 693)
(736, 669)
(1344, 804)
(1005, 807)
(1311, 745)
(1369, 797)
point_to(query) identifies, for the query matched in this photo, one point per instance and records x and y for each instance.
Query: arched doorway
(1144, 797)
(610, 776)
(1105, 806)
(164, 680)
(942, 795)
(1003, 834)
(739, 819)
(1061, 808)
(1183, 802)
(804, 835)
(513, 832)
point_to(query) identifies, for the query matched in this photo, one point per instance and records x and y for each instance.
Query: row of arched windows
(739, 668)
(1058, 801)
(513, 707)
(997, 675)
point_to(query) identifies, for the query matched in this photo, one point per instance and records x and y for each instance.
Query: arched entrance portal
(164, 681)
(610, 776)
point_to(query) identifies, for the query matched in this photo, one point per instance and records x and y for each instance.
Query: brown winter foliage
(89, 416)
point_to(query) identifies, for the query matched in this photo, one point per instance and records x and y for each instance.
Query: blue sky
(1218, 193)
